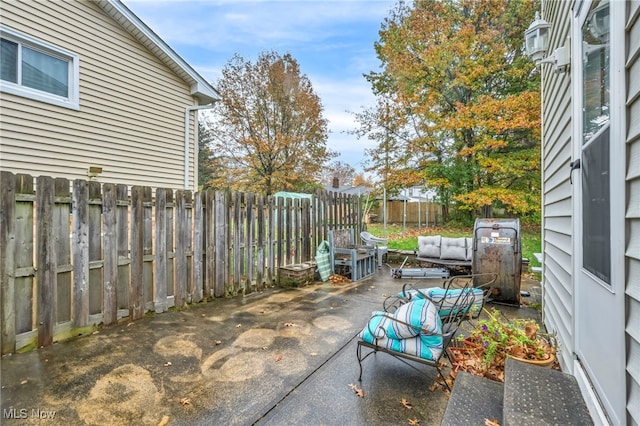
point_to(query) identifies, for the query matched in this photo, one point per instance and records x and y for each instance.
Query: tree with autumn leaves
(268, 131)
(458, 105)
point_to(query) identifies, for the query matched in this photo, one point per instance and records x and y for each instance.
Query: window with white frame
(596, 118)
(38, 70)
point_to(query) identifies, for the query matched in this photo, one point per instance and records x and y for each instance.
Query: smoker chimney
(336, 182)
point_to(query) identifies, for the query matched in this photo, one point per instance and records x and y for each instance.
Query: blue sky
(332, 40)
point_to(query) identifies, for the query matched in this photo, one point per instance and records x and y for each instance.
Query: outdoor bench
(445, 250)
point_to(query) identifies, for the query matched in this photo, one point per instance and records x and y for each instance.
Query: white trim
(611, 408)
(187, 128)
(590, 398)
(72, 101)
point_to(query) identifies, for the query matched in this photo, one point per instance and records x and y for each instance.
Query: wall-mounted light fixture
(537, 38)
(94, 171)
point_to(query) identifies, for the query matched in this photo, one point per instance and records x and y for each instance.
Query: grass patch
(531, 240)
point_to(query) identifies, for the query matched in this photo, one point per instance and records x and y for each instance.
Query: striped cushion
(437, 294)
(418, 314)
(385, 332)
(323, 261)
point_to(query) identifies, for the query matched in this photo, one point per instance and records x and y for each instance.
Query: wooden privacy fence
(414, 213)
(73, 256)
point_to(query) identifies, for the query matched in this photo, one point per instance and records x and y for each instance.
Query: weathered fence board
(7, 262)
(124, 261)
(25, 268)
(62, 251)
(197, 280)
(80, 238)
(45, 255)
(110, 241)
(136, 284)
(160, 281)
(182, 247)
(103, 252)
(95, 248)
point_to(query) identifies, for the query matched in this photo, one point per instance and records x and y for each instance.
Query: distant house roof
(351, 190)
(200, 88)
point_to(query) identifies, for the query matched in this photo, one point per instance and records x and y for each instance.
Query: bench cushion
(437, 294)
(385, 332)
(453, 248)
(429, 246)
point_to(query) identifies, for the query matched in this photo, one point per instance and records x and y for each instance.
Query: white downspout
(187, 126)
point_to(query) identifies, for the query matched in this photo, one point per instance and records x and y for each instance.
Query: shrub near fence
(76, 256)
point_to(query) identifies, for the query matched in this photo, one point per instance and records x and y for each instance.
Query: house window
(596, 201)
(38, 70)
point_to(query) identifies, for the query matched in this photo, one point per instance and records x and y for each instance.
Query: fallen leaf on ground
(357, 390)
(414, 422)
(493, 422)
(406, 404)
(164, 421)
(185, 401)
(338, 279)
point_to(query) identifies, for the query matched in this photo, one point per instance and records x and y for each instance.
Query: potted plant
(492, 340)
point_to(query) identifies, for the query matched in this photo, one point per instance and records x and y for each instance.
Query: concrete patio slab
(276, 357)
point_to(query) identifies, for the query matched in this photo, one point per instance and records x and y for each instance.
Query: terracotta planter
(458, 354)
(540, 362)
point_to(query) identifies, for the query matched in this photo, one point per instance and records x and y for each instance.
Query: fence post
(46, 273)
(7, 263)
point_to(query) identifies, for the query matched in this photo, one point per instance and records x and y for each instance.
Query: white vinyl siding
(557, 191)
(131, 117)
(632, 214)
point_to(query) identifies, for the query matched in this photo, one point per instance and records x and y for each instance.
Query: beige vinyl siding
(131, 117)
(632, 214)
(557, 190)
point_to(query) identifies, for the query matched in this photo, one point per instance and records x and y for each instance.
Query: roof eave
(200, 88)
